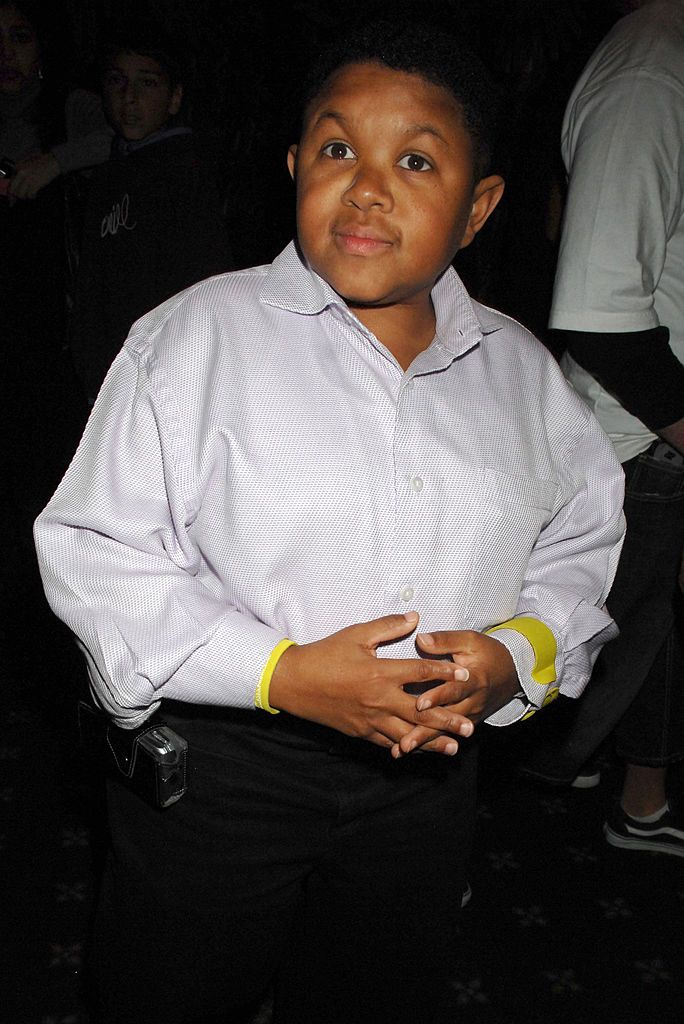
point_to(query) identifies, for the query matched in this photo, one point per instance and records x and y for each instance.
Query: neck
(406, 330)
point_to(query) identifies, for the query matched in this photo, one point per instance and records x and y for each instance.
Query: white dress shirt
(258, 466)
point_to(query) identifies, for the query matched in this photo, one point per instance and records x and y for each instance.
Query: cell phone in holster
(151, 760)
(661, 451)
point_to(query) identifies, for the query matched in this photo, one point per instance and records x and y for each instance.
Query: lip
(9, 75)
(361, 240)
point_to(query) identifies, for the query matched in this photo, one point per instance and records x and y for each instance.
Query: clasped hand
(342, 683)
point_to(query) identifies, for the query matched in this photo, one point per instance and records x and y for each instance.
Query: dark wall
(247, 59)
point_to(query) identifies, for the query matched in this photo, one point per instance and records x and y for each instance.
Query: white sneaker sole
(586, 781)
(653, 845)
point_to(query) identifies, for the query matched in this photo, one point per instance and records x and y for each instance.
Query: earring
(40, 74)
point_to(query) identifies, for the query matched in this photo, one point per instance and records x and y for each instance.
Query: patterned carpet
(561, 928)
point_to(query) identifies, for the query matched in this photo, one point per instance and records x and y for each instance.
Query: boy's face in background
(385, 191)
(19, 50)
(138, 96)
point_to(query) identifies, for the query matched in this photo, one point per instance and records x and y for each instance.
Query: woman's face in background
(19, 50)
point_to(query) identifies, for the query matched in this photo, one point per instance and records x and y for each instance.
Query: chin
(358, 292)
(355, 301)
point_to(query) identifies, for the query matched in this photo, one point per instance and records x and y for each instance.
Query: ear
(292, 160)
(488, 192)
(176, 100)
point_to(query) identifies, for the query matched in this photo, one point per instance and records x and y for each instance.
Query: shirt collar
(290, 284)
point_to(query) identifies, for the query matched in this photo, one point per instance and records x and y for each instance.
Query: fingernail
(462, 673)
(411, 616)
(467, 729)
(412, 746)
(426, 639)
(422, 704)
(451, 748)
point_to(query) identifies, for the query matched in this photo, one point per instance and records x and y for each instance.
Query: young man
(285, 466)
(153, 224)
(622, 326)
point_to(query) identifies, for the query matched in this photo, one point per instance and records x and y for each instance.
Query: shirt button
(407, 594)
(417, 484)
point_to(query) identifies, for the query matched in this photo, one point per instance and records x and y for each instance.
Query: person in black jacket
(153, 224)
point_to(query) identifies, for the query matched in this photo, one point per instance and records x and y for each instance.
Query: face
(138, 96)
(385, 191)
(19, 51)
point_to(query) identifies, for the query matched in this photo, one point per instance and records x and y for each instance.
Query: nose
(6, 49)
(130, 93)
(369, 188)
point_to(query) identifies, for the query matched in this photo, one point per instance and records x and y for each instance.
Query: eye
(415, 162)
(150, 83)
(338, 151)
(115, 79)
(22, 36)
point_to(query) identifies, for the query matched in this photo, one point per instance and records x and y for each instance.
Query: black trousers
(298, 858)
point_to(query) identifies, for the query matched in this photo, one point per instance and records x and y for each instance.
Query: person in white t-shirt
(618, 308)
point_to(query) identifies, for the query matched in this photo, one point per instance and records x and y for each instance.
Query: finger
(420, 740)
(389, 627)
(442, 641)
(448, 692)
(452, 719)
(471, 709)
(392, 733)
(403, 671)
(379, 739)
(433, 746)
(418, 736)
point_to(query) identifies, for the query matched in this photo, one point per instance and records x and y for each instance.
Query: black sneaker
(666, 835)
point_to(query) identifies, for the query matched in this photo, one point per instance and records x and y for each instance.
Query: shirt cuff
(533, 695)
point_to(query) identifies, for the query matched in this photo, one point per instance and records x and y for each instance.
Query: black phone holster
(151, 760)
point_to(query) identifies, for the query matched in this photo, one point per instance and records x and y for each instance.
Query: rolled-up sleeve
(120, 567)
(570, 573)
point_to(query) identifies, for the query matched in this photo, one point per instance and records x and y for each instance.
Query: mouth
(9, 75)
(360, 240)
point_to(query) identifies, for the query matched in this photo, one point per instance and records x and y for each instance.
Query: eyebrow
(410, 130)
(330, 115)
(426, 129)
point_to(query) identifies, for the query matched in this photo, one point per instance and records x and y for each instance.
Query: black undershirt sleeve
(639, 368)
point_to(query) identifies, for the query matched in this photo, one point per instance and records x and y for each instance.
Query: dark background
(245, 61)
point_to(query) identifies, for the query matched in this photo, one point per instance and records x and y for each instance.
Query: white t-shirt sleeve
(622, 148)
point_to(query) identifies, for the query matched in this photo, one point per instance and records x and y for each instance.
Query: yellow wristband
(543, 644)
(261, 694)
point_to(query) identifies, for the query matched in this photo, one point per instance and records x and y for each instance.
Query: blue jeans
(637, 688)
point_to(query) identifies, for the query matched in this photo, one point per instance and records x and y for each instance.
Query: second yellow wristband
(542, 641)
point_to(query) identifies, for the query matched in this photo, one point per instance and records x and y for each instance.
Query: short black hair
(148, 40)
(419, 48)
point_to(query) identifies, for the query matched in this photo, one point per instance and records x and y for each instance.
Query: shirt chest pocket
(512, 512)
